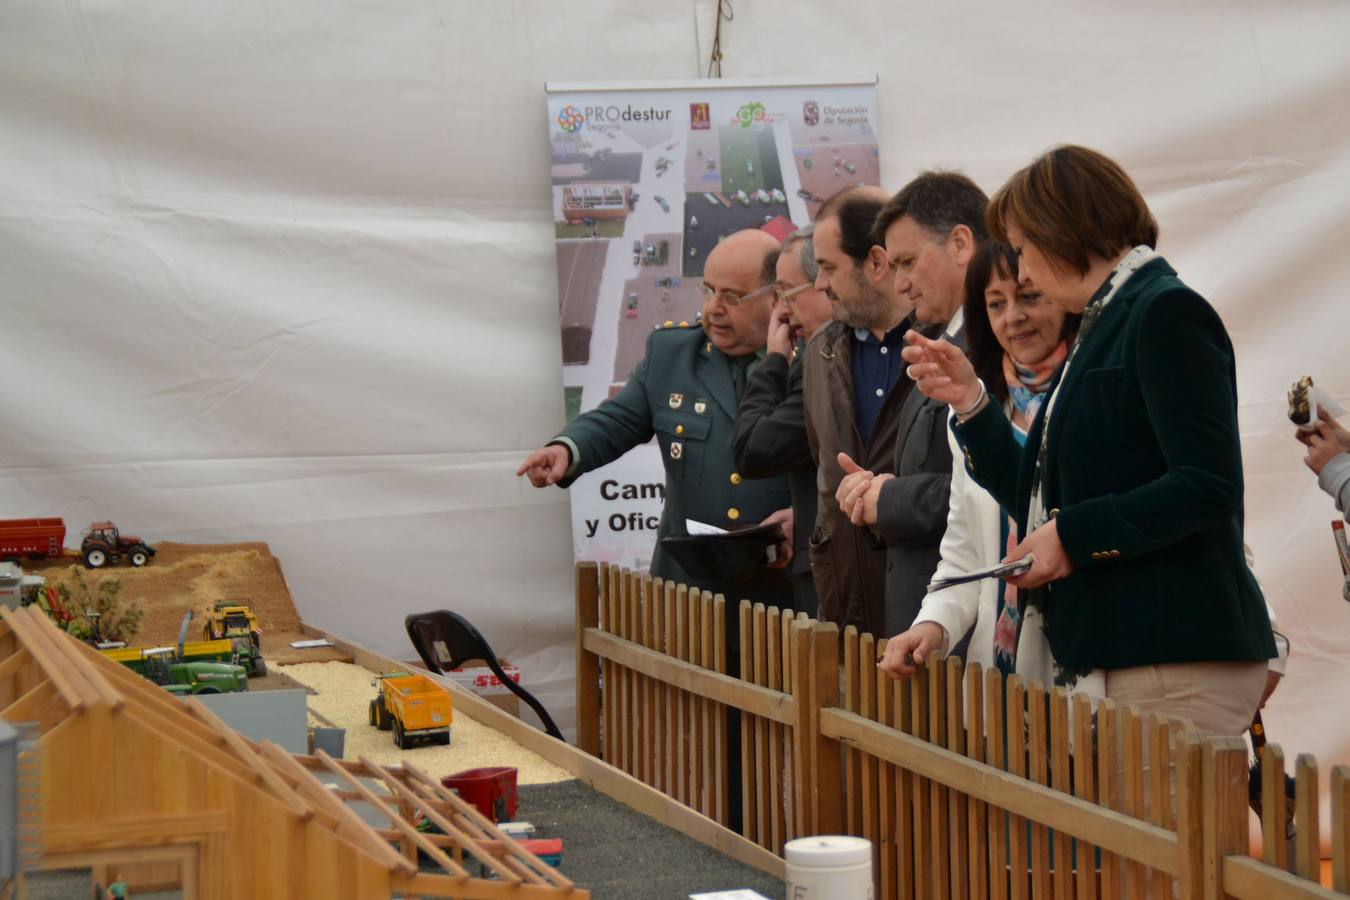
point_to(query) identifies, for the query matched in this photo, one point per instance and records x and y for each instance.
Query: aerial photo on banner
(646, 180)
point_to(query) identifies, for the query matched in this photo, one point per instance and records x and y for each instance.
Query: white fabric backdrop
(261, 264)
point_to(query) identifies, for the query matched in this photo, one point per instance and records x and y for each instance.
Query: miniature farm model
(414, 706)
(31, 538)
(164, 784)
(196, 667)
(45, 539)
(233, 621)
(18, 589)
(103, 543)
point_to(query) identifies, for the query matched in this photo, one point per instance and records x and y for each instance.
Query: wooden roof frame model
(133, 775)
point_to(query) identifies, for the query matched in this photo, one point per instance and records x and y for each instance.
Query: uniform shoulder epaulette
(682, 324)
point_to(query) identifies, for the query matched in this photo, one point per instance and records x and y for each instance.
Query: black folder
(733, 557)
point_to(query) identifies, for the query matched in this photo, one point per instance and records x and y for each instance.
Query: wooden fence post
(825, 783)
(1190, 816)
(1340, 829)
(588, 664)
(802, 746)
(1308, 846)
(1223, 808)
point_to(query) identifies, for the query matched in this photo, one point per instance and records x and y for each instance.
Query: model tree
(99, 613)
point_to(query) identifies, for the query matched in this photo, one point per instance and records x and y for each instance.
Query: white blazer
(972, 542)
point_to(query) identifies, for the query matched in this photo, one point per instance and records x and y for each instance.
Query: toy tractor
(414, 706)
(233, 620)
(179, 677)
(104, 544)
(185, 668)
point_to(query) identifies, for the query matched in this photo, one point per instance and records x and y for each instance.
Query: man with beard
(853, 394)
(771, 425)
(930, 230)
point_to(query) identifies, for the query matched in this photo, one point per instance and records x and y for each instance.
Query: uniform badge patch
(676, 401)
(700, 406)
(676, 449)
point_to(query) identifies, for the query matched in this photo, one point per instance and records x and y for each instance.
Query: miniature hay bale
(343, 693)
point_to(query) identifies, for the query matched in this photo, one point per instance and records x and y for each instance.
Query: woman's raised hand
(941, 371)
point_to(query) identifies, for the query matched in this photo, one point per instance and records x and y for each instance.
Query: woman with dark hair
(1128, 494)
(1018, 340)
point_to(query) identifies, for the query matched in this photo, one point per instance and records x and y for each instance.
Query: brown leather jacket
(847, 562)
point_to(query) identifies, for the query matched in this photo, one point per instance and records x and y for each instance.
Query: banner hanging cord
(724, 14)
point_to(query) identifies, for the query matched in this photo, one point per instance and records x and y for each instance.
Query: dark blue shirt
(876, 368)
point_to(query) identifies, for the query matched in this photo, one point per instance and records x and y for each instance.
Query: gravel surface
(342, 694)
(619, 854)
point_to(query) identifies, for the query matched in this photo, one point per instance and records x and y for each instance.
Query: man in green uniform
(686, 391)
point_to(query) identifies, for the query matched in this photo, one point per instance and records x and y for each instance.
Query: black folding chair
(447, 640)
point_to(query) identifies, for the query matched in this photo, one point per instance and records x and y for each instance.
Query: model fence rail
(968, 784)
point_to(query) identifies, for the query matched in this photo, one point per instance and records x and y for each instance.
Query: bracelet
(962, 413)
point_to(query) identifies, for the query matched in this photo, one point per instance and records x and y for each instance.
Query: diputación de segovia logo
(570, 118)
(750, 113)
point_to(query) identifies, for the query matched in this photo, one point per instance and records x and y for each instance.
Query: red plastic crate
(491, 789)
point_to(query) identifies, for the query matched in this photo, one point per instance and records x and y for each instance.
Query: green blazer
(683, 394)
(1144, 477)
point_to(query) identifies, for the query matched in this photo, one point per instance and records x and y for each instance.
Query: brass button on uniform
(679, 429)
(1096, 555)
(1054, 512)
(733, 513)
(735, 477)
(1115, 554)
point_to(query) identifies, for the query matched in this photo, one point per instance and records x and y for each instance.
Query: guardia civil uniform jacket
(682, 392)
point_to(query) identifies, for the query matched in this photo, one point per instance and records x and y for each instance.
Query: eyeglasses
(731, 298)
(786, 294)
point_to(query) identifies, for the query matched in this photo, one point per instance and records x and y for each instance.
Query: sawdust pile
(195, 577)
(342, 695)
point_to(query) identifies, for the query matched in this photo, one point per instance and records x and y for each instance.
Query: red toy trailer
(33, 538)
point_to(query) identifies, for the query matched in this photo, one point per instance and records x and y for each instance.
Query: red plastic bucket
(491, 789)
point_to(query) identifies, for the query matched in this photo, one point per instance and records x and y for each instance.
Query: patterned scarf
(1027, 391)
(1027, 385)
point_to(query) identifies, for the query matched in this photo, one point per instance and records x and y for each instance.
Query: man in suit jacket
(930, 230)
(685, 392)
(771, 423)
(853, 390)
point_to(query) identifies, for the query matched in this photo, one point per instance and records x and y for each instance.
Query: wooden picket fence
(968, 785)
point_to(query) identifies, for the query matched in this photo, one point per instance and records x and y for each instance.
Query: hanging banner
(646, 179)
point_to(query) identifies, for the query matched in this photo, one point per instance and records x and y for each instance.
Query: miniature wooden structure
(595, 773)
(952, 774)
(146, 787)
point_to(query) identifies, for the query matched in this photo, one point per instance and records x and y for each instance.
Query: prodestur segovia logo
(570, 118)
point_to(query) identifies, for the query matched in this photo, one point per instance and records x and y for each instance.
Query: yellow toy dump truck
(414, 706)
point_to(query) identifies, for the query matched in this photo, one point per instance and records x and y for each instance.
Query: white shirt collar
(957, 323)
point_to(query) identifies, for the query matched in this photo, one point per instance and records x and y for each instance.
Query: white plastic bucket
(829, 867)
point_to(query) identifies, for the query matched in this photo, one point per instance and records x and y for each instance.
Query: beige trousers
(1218, 698)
